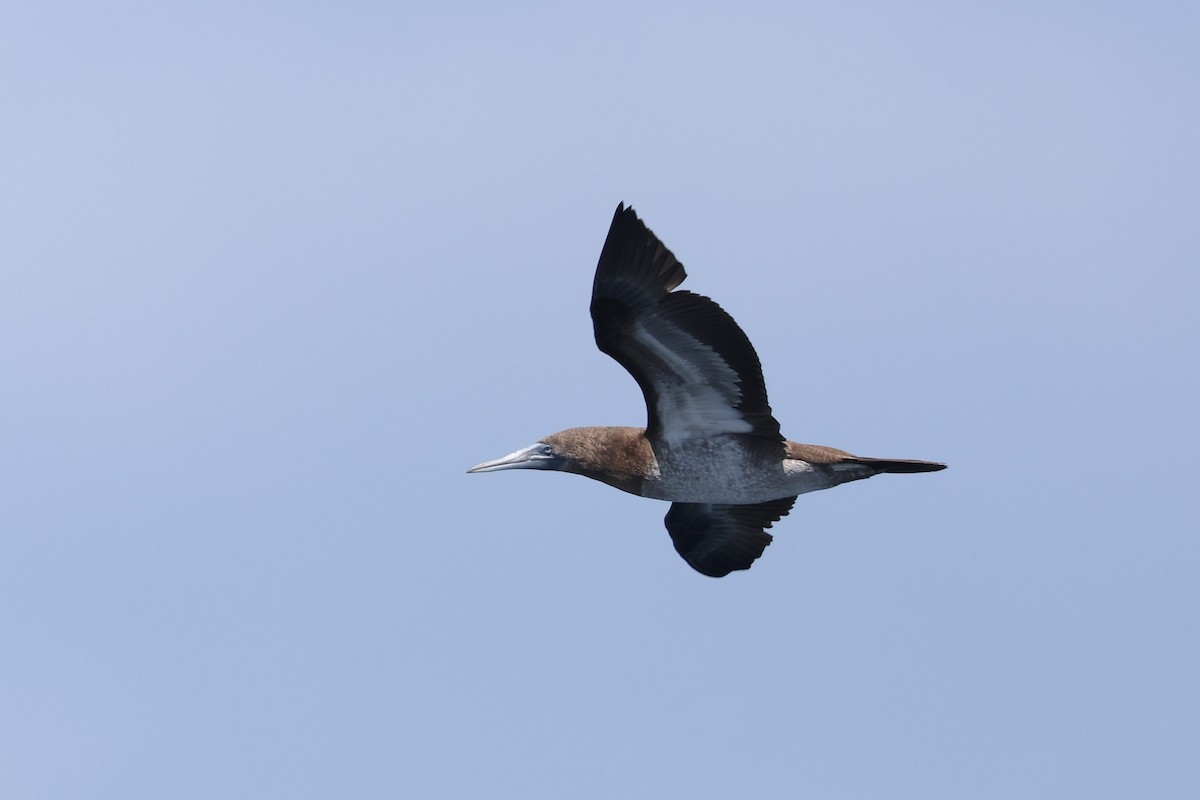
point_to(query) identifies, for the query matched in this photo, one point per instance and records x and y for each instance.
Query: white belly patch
(722, 471)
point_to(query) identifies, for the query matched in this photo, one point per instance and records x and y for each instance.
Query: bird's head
(620, 457)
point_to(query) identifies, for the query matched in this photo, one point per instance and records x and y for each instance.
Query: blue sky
(275, 275)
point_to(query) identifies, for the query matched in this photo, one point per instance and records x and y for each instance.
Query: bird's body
(711, 446)
(723, 469)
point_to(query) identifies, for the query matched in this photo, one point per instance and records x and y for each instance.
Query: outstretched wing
(698, 371)
(717, 539)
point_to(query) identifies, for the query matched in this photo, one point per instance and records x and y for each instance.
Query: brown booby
(711, 445)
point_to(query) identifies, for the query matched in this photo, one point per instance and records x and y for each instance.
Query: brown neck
(618, 456)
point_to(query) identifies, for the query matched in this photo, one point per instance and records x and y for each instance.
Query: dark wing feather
(717, 539)
(698, 371)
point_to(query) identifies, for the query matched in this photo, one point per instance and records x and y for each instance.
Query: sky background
(274, 275)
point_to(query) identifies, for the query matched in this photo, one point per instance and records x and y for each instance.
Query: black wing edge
(635, 268)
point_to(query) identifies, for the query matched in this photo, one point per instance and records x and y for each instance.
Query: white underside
(720, 471)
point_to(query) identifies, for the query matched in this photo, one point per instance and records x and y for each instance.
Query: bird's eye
(547, 450)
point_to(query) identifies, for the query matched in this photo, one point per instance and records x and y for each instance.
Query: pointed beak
(532, 457)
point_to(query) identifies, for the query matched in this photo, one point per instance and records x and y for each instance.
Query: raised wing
(717, 539)
(698, 371)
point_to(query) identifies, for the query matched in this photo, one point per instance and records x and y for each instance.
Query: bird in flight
(711, 445)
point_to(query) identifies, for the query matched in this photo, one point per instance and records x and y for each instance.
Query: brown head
(618, 456)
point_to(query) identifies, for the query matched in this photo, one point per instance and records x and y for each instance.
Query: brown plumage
(711, 445)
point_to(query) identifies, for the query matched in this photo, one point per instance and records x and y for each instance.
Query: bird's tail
(900, 465)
